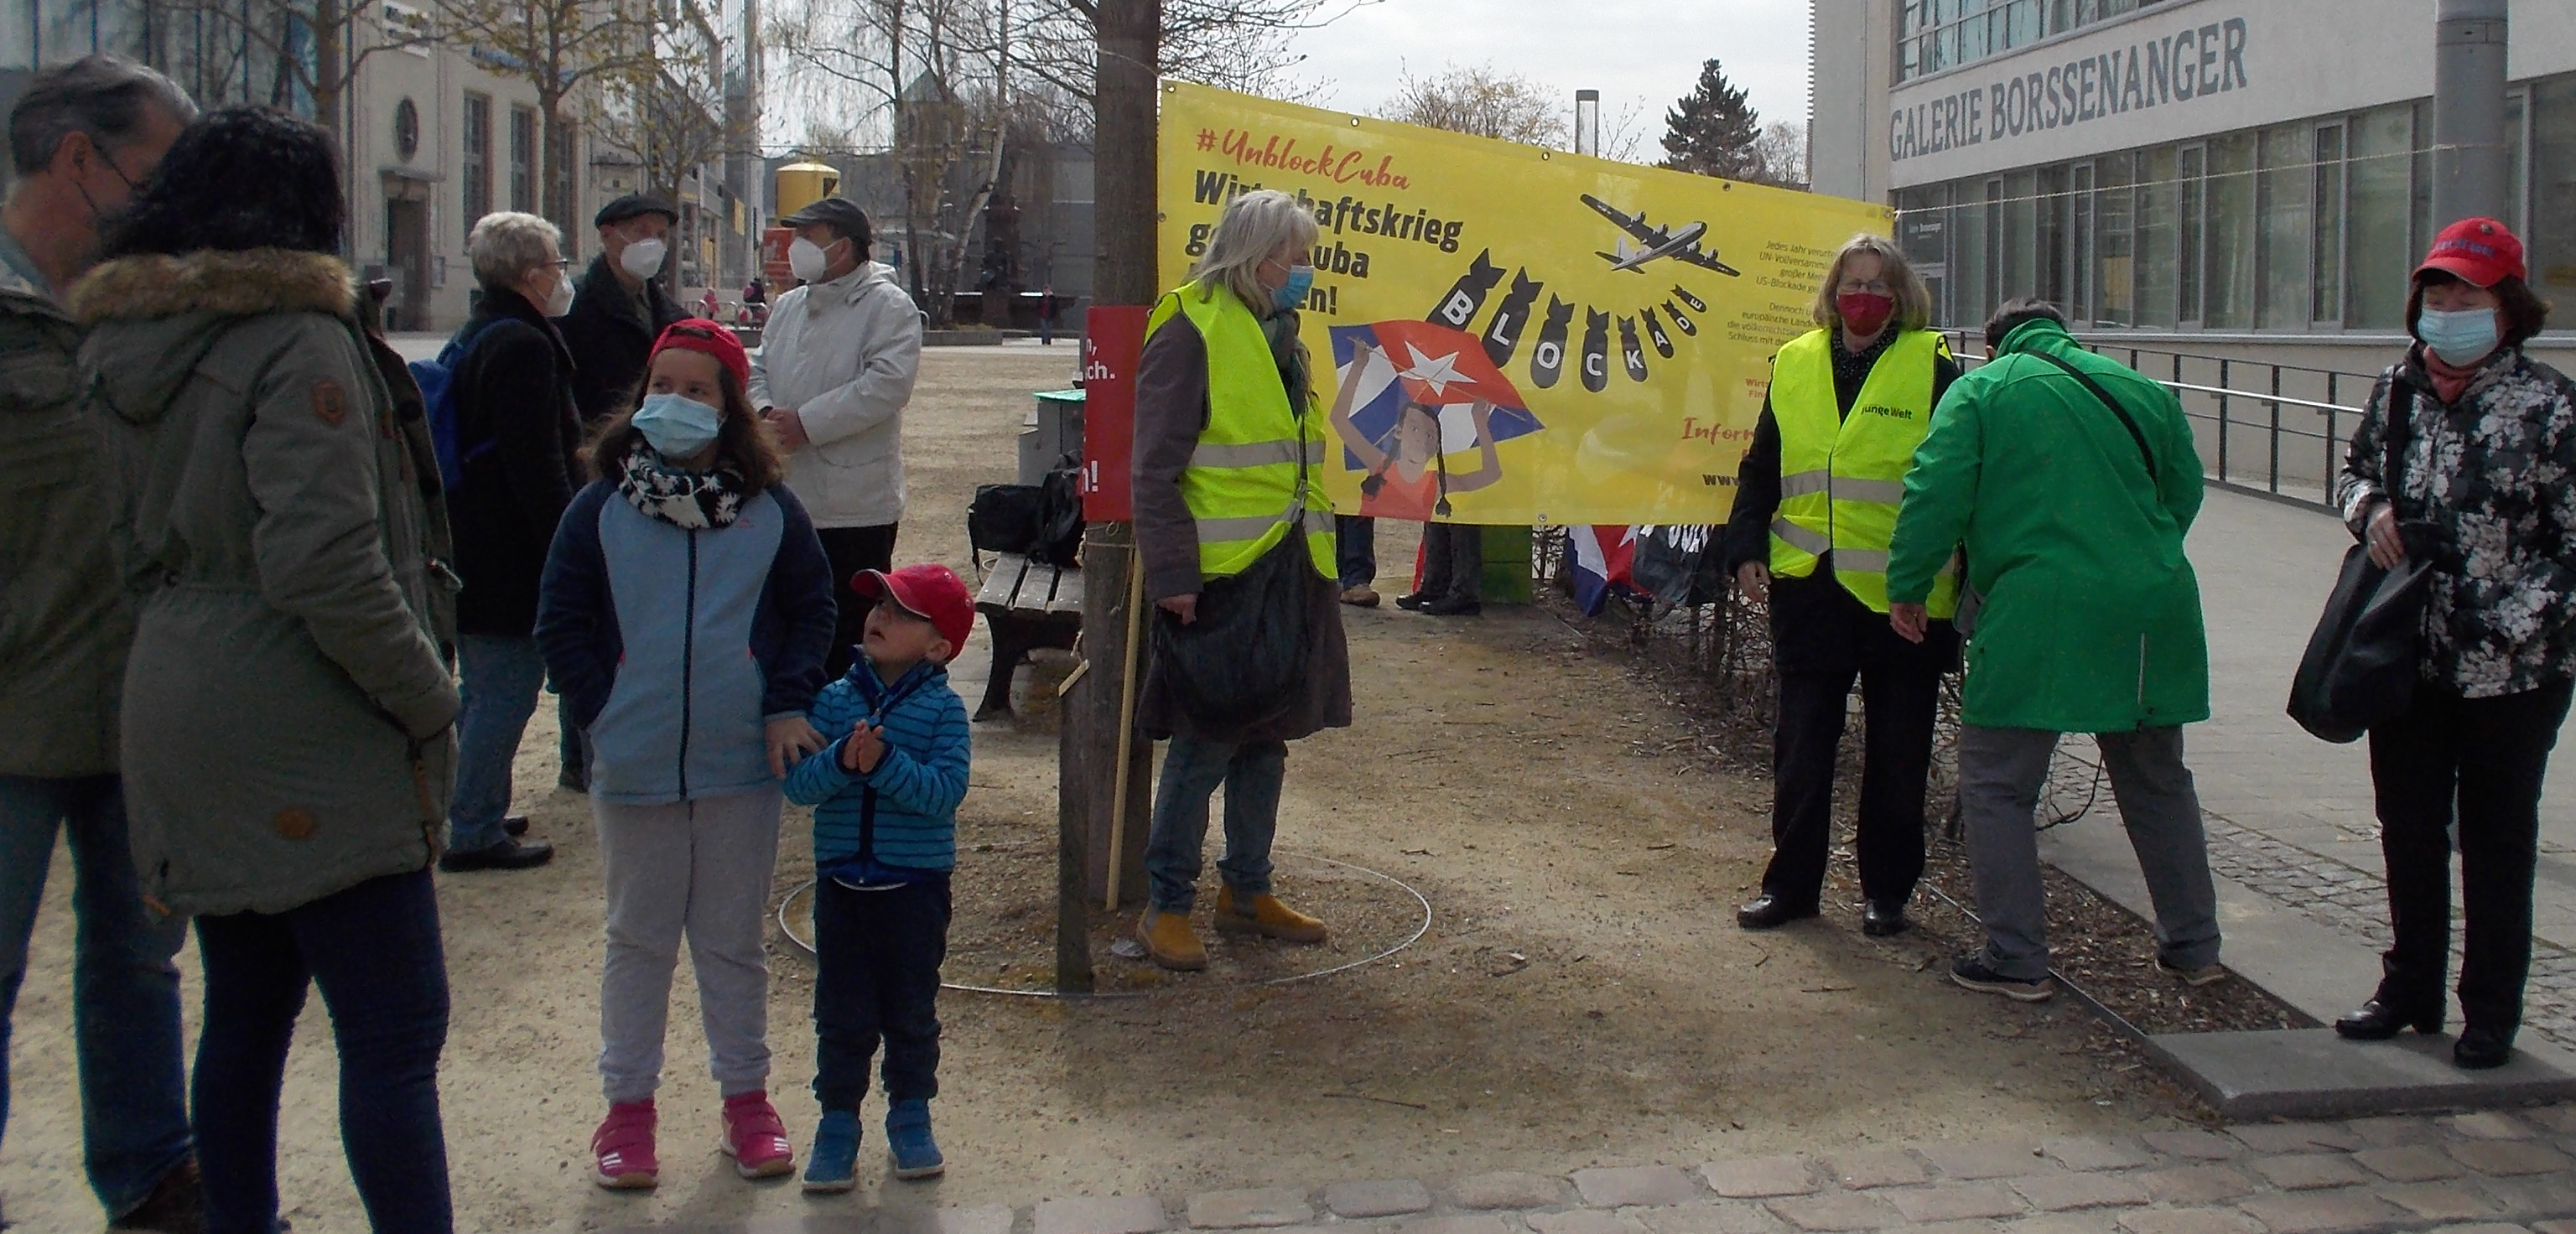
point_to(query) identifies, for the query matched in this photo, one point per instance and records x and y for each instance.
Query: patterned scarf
(692, 499)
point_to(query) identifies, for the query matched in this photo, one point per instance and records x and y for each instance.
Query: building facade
(437, 134)
(2213, 177)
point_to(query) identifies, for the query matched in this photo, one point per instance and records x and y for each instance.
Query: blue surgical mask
(2461, 338)
(677, 426)
(1301, 279)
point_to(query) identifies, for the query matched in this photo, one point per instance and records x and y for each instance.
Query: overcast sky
(1629, 50)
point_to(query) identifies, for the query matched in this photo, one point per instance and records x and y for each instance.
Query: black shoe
(1412, 601)
(2480, 1047)
(1970, 972)
(509, 854)
(2382, 1018)
(1770, 912)
(1452, 608)
(177, 1204)
(1880, 920)
(515, 826)
(573, 779)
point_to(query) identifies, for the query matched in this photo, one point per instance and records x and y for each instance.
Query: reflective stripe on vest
(1842, 478)
(1251, 478)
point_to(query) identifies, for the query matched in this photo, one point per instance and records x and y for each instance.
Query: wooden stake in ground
(1126, 717)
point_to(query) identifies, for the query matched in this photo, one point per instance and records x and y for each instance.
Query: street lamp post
(2468, 110)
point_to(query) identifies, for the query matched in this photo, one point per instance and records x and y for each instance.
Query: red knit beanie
(701, 335)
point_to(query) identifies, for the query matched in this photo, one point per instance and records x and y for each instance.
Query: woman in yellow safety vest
(1229, 451)
(1815, 504)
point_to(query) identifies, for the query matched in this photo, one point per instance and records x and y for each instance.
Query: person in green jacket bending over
(2070, 480)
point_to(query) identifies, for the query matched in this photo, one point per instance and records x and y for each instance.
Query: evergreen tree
(1713, 131)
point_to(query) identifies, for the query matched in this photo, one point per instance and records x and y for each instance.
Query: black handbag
(1006, 518)
(1242, 661)
(2361, 663)
(1059, 541)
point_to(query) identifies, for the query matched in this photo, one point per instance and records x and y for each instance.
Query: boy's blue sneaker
(908, 1140)
(832, 1164)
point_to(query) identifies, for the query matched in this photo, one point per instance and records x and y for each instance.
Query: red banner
(1112, 340)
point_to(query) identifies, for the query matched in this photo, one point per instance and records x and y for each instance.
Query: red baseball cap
(701, 335)
(2478, 250)
(930, 591)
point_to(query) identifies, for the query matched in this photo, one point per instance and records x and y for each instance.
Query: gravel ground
(1583, 996)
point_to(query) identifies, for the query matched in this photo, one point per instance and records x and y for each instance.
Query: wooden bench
(1026, 606)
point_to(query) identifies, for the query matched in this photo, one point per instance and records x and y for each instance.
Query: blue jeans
(1173, 846)
(374, 950)
(1355, 550)
(500, 679)
(125, 991)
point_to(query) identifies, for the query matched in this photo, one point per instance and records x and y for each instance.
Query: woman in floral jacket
(2485, 445)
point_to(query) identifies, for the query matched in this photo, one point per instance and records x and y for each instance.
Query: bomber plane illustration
(1655, 242)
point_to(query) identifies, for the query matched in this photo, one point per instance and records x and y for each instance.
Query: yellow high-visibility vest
(1843, 477)
(1255, 476)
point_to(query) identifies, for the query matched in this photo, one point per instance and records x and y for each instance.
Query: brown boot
(1169, 939)
(176, 1206)
(1266, 916)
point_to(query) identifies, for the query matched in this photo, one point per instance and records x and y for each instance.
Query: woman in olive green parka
(287, 699)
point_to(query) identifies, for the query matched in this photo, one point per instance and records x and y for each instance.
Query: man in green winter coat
(81, 137)
(2071, 492)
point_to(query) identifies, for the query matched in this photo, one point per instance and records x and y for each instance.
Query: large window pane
(2191, 218)
(1969, 252)
(1923, 232)
(2157, 197)
(2553, 177)
(2082, 292)
(2326, 209)
(2018, 275)
(2049, 244)
(2283, 196)
(2380, 200)
(2228, 297)
(2114, 247)
(2516, 202)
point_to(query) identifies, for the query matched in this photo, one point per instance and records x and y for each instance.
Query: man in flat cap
(619, 307)
(834, 370)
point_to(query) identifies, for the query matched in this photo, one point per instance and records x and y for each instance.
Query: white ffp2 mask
(643, 258)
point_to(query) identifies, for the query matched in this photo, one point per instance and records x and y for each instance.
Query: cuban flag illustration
(1427, 363)
(1602, 559)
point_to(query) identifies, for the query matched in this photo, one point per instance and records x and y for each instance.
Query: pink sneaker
(624, 1148)
(755, 1137)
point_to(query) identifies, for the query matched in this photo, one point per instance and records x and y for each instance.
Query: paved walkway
(2473, 1174)
(2293, 837)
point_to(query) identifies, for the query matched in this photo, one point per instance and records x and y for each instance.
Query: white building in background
(438, 135)
(2241, 178)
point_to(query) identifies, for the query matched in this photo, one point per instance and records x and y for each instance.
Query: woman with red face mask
(1815, 504)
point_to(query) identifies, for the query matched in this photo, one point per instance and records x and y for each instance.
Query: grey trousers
(694, 869)
(2001, 771)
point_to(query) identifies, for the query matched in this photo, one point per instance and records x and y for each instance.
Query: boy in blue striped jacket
(885, 794)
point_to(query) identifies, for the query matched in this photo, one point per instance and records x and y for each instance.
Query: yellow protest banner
(1506, 334)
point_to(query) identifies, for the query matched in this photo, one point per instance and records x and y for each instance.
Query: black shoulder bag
(1242, 662)
(2361, 664)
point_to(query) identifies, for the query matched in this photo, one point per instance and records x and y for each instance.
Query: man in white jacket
(834, 370)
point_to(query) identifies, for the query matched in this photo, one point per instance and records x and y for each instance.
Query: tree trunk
(1129, 48)
(550, 194)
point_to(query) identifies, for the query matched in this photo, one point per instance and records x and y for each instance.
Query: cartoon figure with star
(1412, 393)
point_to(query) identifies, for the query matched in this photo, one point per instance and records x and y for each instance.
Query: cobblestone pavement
(2490, 1173)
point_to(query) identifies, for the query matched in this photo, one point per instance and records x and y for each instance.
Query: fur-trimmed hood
(154, 319)
(223, 284)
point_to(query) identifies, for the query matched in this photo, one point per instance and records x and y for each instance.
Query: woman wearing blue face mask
(1230, 448)
(2482, 439)
(686, 610)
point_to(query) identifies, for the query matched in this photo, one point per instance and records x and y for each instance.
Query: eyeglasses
(1854, 287)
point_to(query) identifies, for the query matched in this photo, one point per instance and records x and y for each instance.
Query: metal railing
(2299, 437)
